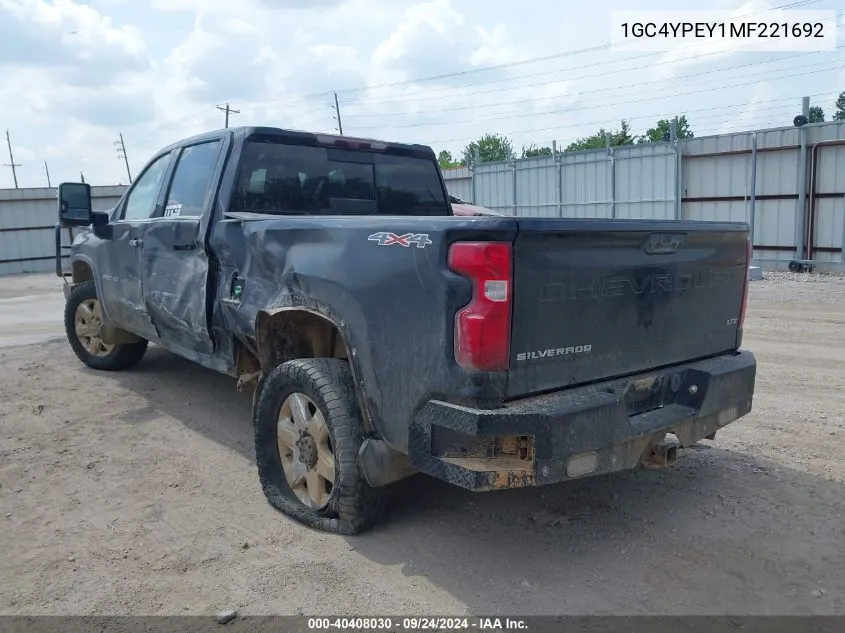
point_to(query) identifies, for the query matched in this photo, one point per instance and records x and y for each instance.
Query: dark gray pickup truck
(384, 336)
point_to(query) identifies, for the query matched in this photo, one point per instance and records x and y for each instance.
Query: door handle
(190, 246)
(136, 242)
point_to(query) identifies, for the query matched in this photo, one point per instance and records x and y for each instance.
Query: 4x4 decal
(389, 239)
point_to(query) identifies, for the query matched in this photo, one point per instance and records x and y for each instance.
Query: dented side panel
(394, 304)
(174, 273)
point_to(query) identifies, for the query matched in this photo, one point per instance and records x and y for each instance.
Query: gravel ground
(136, 493)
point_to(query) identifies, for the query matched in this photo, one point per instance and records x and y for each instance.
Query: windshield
(292, 179)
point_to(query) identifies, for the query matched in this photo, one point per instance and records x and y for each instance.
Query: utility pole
(801, 215)
(11, 162)
(227, 110)
(81, 177)
(337, 109)
(47, 171)
(121, 153)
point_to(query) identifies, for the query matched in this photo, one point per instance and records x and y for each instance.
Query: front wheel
(307, 435)
(83, 325)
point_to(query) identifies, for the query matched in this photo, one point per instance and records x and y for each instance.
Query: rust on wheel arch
(291, 332)
(284, 334)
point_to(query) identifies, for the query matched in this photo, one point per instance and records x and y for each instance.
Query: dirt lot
(137, 493)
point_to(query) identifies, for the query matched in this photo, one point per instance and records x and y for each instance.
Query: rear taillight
(483, 327)
(749, 250)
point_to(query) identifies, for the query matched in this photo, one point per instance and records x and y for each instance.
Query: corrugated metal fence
(707, 178)
(27, 220)
(750, 176)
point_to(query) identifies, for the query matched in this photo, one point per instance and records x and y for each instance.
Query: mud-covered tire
(121, 356)
(354, 505)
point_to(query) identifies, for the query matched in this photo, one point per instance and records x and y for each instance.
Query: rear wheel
(307, 435)
(83, 326)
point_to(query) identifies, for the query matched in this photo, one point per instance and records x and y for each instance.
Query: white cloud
(428, 30)
(68, 35)
(714, 49)
(494, 48)
(755, 112)
(76, 74)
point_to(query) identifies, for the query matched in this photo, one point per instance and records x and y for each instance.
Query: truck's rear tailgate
(597, 299)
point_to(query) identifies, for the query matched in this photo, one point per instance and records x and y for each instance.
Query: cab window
(191, 180)
(141, 202)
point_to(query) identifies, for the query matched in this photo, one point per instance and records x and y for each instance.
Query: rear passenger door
(174, 263)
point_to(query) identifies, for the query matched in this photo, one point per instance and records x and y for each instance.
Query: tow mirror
(75, 204)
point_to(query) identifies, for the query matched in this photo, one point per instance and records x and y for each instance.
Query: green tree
(839, 115)
(816, 114)
(594, 141)
(656, 134)
(622, 136)
(491, 148)
(532, 151)
(446, 161)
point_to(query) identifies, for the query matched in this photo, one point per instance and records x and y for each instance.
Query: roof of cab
(247, 131)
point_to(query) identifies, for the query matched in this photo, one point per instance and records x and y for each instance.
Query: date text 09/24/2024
(417, 624)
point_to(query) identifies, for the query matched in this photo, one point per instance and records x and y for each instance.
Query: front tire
(83, 322)
(308, 432)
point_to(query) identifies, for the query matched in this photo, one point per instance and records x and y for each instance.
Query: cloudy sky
(77, 73)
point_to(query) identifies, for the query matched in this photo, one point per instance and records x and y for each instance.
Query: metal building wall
(535, 188)
(459, 181)
(494, 186)
(708, 178)
(27, 221)
(645, 181)
(585, 185)
(828, 183)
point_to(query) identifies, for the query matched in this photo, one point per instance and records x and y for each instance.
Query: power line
(590, 107)
(514, 64)
(121, 152)
(585, 92)
(12, 162)
(394, 84)
(436, 94)
(737, 128)
(468, 71)
(515, 115)
(227, 110)
(636, 69)
(412, 99)
(302, 99)
(565, 54)
(582, 93)
(609, 122)
(472, 71)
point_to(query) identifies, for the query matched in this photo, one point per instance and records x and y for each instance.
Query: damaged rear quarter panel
(394, 305)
